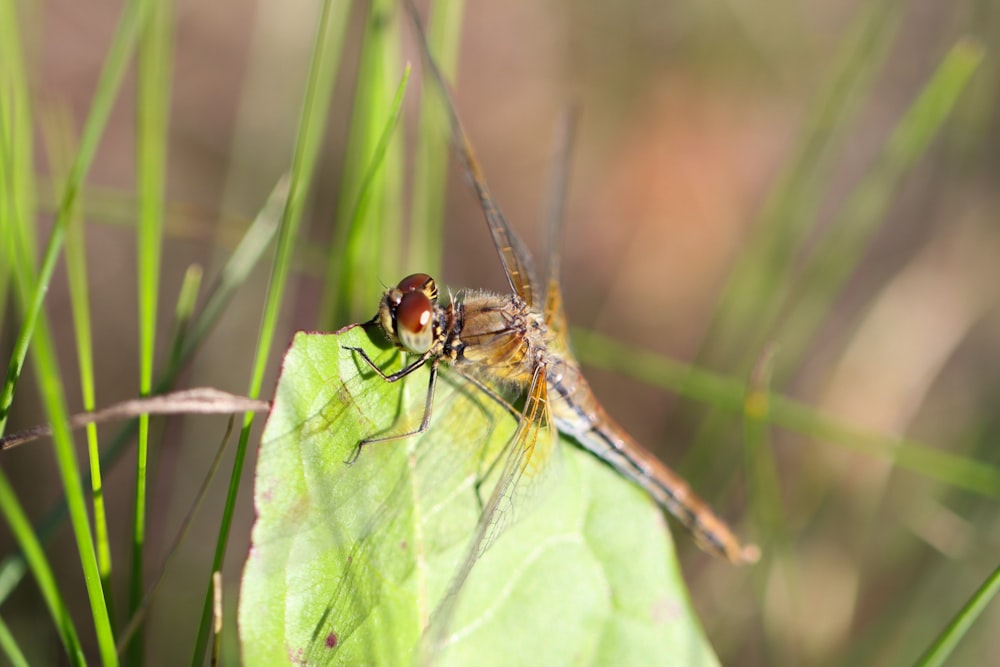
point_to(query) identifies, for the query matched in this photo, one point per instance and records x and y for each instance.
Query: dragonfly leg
(502, 402)
(489, 391)
(394, 377)
(428, 403)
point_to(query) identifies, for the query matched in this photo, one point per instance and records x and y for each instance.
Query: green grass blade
(17, 182)
(135, 622)
(233, 275)
(184, 310)
(790, 211)
(369, 213)
(76, 270)
(358, 243)
(430, 171)
(325, 60)
(32, 287)
(728, 395)
(115, 65)
(10, 648)
(842, 248)
(152, 120)
(39, 565)
(16, 206)
(747, 309)
(61, 145)
(47, 373)
(762, 473)
(949, 638)
(16, 164)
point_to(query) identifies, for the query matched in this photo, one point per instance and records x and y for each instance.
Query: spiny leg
(395, 377)
(398, 375)
(505, 404)
(489, 391)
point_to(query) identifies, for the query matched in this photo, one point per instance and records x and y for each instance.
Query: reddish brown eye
(414, 312)
(414, 318)
(414, 282)
(419, 282)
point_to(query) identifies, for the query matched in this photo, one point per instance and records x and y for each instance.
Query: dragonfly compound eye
(414, 317)
(419, 282)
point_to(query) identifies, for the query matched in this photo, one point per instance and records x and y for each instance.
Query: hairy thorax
(496, 337)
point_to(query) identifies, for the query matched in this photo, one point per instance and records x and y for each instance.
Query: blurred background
(731, 188)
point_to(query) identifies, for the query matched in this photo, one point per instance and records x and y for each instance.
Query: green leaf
(349, 562)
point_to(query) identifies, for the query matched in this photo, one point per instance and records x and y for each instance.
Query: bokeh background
(693, 115)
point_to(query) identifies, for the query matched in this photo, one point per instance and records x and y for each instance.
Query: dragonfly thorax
(407, 313)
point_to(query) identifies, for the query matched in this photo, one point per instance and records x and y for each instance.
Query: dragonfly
(501, 344)
(521, 339)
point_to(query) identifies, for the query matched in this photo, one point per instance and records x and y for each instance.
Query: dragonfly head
(406, 313)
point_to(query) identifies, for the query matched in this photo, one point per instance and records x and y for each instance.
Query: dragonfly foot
(352, 459)
(479, 495)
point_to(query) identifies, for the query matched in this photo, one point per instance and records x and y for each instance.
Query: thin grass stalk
(152, 121)
(369, 219)
(10, 648)
(727, 394)
(61, 145)
(735, 335)
(944, 644)
(115, 64)
(842, 247)
(233, 275)
(323, 67)
(430, 172)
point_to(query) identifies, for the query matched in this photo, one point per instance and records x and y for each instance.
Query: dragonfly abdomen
(578, 414)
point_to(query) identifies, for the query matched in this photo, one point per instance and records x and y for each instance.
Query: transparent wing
(555, 316)
(514, 255)
(528, 455)
(555, 319)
